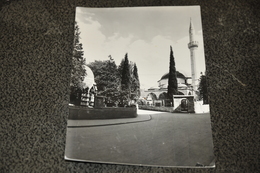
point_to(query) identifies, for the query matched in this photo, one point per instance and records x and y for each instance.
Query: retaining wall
(84, 113)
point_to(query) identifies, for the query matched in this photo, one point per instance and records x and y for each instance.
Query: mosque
(157, 96)
(186, 85)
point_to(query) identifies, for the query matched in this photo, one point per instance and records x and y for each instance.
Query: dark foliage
(126, 78)
(135, 84)
(77, 70)
(106, 78)
(203, 90)
(172, 80)
(119, 84)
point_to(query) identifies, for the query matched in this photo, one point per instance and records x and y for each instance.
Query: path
(168, 139)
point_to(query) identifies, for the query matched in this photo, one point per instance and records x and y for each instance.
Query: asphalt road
(167, 139)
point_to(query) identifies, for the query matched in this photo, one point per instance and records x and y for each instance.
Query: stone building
(160, 92)
(187, 86)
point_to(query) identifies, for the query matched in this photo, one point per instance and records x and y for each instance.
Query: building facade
(186, 85)
(160, 92)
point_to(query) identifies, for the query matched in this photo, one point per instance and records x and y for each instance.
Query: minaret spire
(191, 31)
(193, 45)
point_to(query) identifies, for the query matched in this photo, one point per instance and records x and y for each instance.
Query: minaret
(193, 45)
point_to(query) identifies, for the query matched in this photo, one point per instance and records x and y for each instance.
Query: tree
(112, 79)
(116, 83)
(125, 76)
(120, 69)
(203, 90)
(135, 83)
(172, 80)
(106, 78)
(78, 71)
(78, 62)
(130, 84)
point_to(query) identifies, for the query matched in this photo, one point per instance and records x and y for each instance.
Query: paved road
(168, 140)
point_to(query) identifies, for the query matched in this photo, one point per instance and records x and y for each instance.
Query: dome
(89, 78)
(153, 88)
(179, 75)
(182, 86)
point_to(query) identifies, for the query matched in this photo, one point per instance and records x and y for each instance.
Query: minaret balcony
(193, 44)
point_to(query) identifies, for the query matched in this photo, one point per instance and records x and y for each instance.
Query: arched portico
(156, 92)
(152, 96)
(163, 96)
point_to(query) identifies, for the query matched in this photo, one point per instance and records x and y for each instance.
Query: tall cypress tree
(120, 68)
(124, 69)
(172, 80)
(135, 85)
(126, 77)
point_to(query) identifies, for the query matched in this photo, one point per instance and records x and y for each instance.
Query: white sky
(146, 34)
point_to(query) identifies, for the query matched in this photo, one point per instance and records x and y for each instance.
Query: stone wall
(85, 113)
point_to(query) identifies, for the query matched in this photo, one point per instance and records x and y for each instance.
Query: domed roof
(89, 79)
(179, 75)
(180, 85)
(153, 88)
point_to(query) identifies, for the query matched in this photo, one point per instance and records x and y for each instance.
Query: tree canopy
(78, 71)
(106, 78)
(118, 84)
(78, 62)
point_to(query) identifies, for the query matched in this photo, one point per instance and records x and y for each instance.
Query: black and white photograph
(138, 88)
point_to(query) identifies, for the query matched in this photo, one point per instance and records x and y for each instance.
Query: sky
(145, 34)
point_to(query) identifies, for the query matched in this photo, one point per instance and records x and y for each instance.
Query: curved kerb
(111, 124)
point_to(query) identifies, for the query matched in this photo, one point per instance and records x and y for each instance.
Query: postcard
(138, 89)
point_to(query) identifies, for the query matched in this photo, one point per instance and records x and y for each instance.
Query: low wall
(85, 113)
(155, 108)
(189, 108)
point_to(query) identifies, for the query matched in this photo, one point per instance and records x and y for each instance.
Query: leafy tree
(78, 71)
(99, 69)
(172, 80)
(116, 83)
(203, 90)
(106, 78)
(112, 85)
